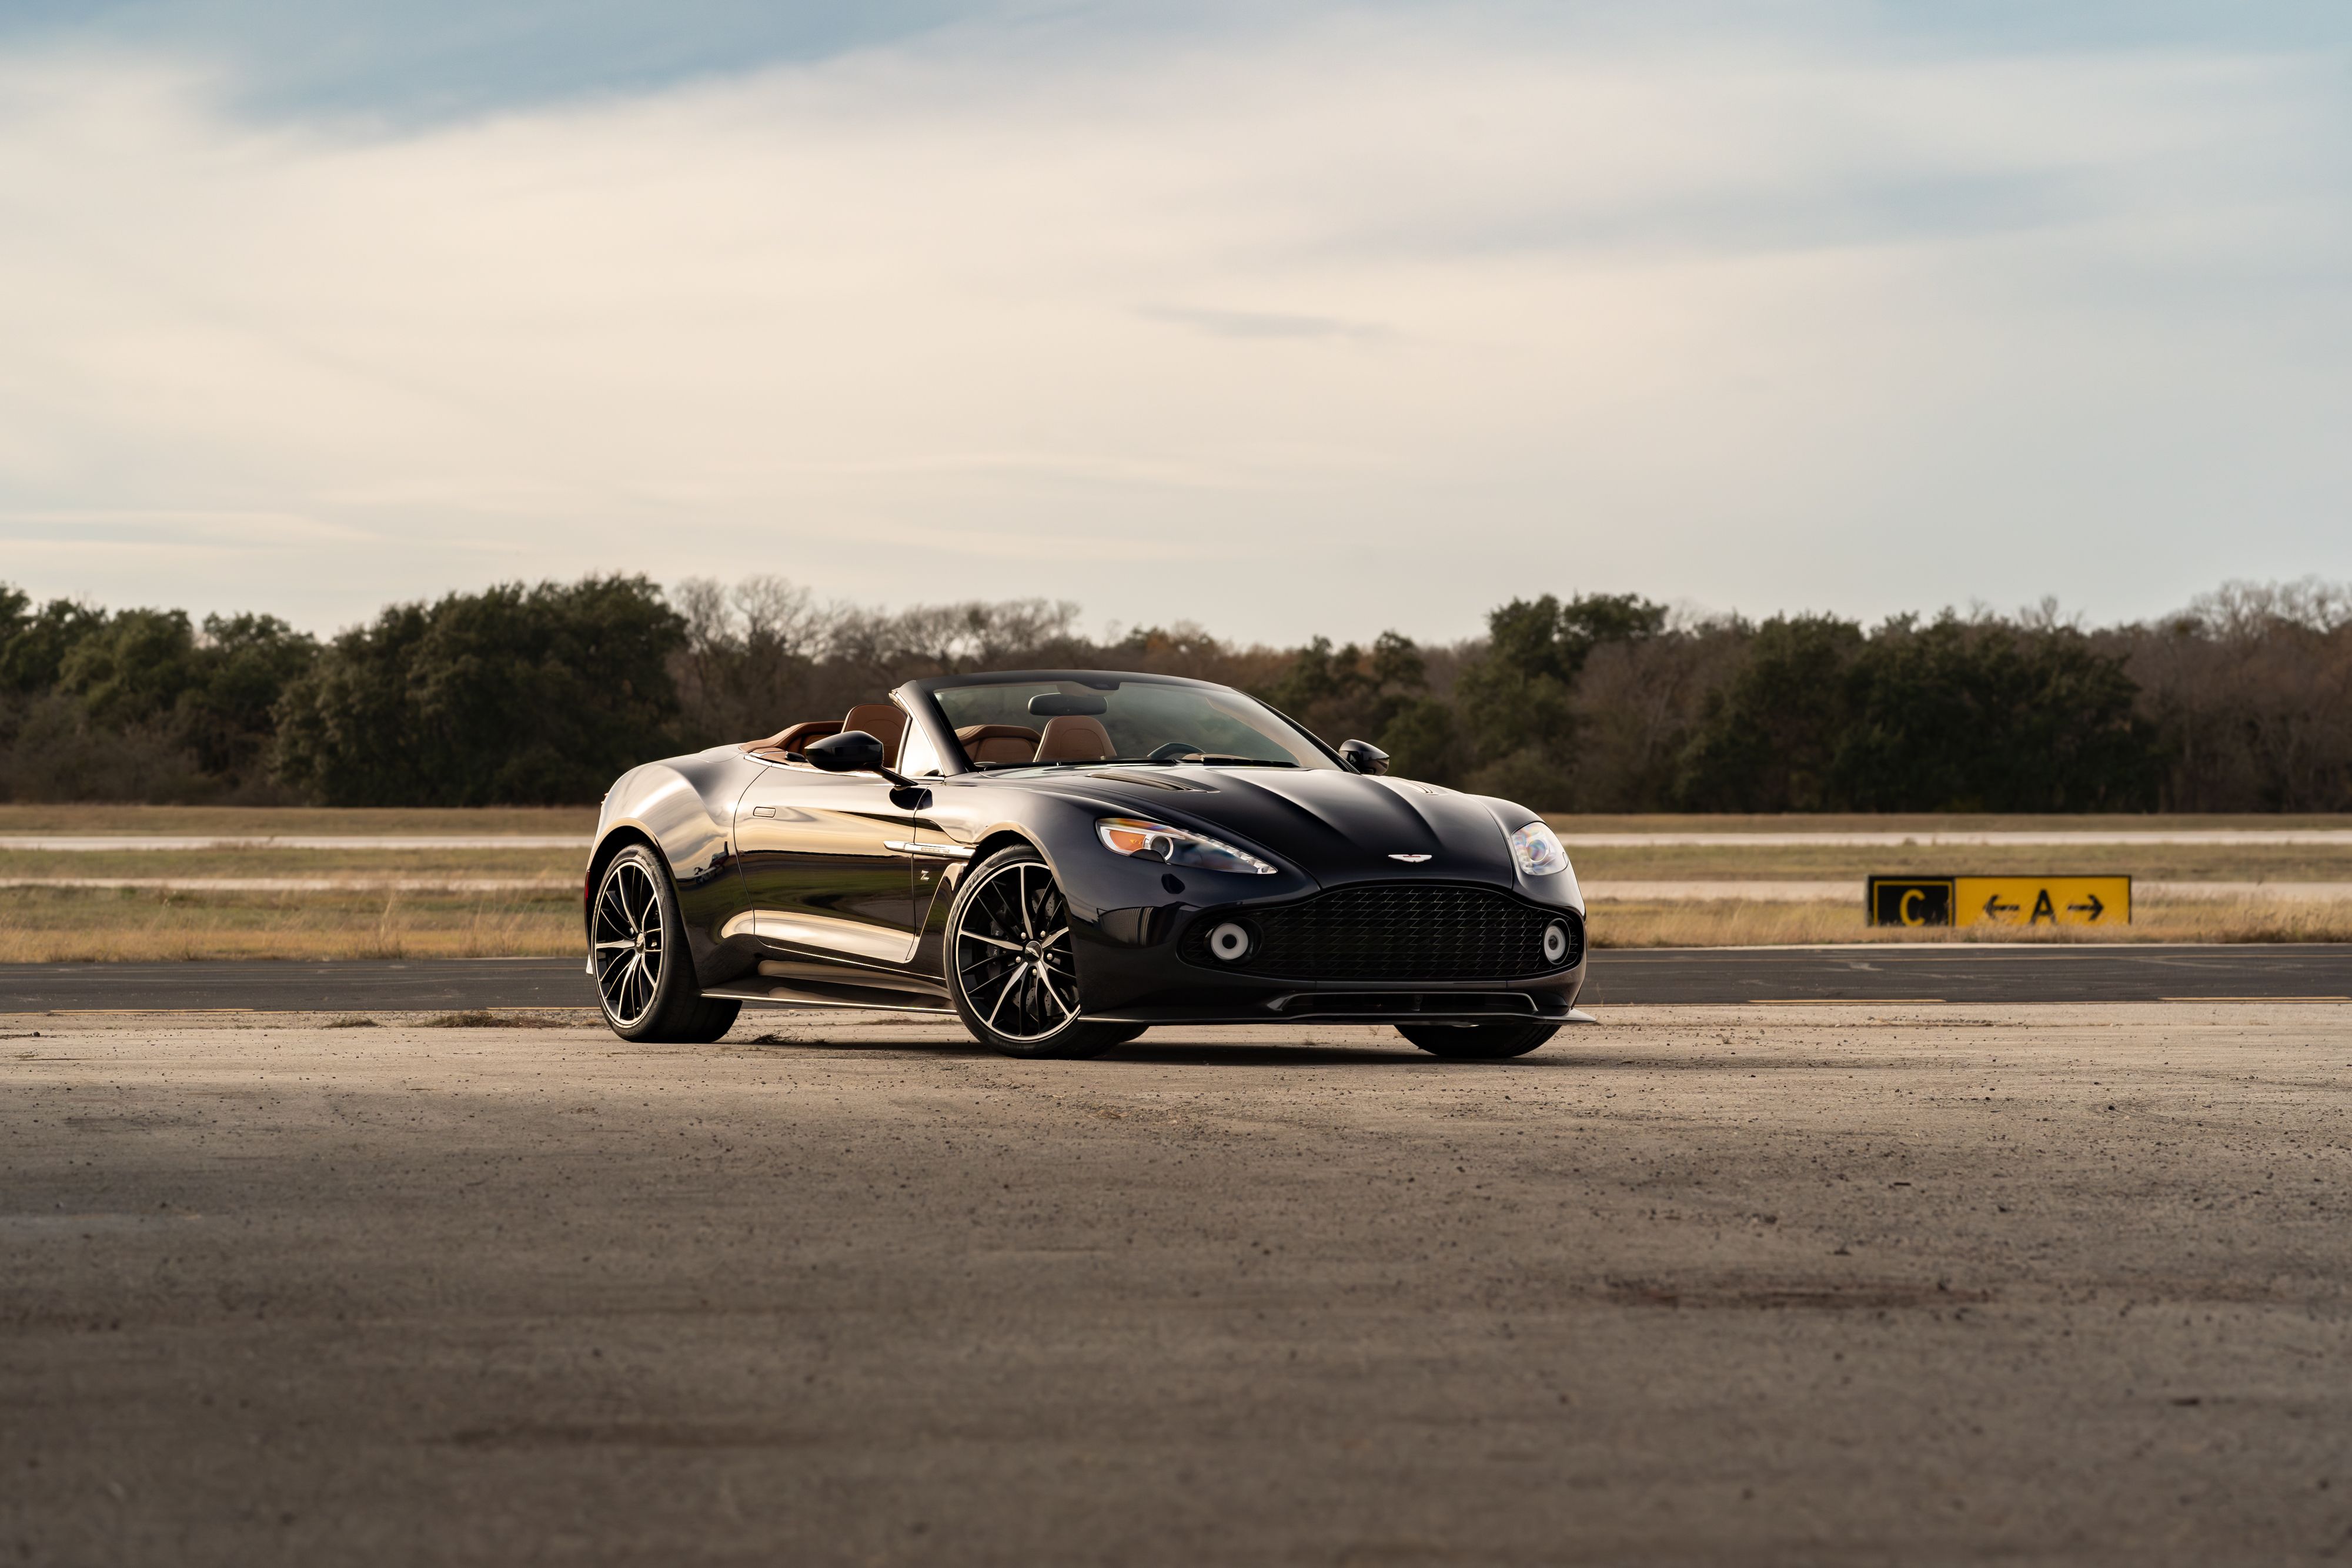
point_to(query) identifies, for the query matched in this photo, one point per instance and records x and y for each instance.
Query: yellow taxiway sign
(2011, 900)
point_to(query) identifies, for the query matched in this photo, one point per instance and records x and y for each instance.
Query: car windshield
(1025, 723)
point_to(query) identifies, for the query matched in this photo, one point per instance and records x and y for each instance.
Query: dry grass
(1722, 923)
(238, 822)
(64, 926)
(564, 866)
(2152, 862)
(1929, 822)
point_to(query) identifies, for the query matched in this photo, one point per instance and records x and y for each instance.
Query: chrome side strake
(937, 852)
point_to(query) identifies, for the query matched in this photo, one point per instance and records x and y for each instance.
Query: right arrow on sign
(2091, 903)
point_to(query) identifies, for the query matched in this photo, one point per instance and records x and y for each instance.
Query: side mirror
(852, 751)
(1363, 756)
(855, 751)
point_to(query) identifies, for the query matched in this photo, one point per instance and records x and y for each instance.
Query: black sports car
(1064, 857)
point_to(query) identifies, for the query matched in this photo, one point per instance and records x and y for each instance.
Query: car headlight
(1175, 846)
(1537, 850)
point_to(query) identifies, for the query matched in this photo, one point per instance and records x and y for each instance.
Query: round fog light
(1555, 942)
(1230, 941)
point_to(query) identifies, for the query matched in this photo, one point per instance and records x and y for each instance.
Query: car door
(824, 865)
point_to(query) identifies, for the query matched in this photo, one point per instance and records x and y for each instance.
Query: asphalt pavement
(1946, 972)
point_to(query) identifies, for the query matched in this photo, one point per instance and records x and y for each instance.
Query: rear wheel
(1010, 969)
(645, 976)
(1477, 1041)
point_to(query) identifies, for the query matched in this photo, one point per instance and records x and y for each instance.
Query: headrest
(884, 722)
(998, 744)
(1074, 739)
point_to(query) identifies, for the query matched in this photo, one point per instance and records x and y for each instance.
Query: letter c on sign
(1904, 908)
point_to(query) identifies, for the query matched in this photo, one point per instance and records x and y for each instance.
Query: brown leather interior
(997, 743)
(1074, 737)
(883, 722)
(792, 737)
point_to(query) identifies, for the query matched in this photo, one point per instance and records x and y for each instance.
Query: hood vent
(1149, 781)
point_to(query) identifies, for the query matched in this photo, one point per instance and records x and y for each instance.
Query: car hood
(1335, 827)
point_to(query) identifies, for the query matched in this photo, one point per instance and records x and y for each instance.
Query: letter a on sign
(2032, 900)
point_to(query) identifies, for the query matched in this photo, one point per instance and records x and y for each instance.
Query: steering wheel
(1176, 748)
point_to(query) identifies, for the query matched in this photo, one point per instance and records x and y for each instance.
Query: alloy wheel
(1012, 954)
(628, 941)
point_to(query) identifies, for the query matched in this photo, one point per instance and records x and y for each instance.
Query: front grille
(1394, 933)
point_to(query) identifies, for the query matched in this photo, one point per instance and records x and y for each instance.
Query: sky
(1281, 318)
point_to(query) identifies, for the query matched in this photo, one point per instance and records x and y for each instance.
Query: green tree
(133, 667)
(1379, 695)
(1957, 716)
(513, 695)
(34, 644)
(1518, 703)
(247, 663)
(1769, 739)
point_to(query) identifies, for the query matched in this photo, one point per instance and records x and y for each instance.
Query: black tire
(1011, 969)
(1477, 1041)
(645, 976)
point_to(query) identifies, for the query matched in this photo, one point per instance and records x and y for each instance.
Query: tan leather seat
(997, 744)
(883, 722)
(1074, 737)
(792, 737)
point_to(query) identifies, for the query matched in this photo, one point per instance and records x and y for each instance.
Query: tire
(645, 976)
(1477, 1041)
(1012, 971)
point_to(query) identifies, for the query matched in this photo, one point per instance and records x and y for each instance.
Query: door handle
(764, 810)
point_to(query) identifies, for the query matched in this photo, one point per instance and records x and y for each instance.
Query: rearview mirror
(1363, 756)
(1067, 704)
(852, 751)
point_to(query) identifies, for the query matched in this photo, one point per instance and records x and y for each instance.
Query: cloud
(1357, 319)
(1261, 323)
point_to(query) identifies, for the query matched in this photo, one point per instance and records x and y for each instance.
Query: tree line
(542, 694)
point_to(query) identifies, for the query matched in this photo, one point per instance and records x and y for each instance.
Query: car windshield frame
(1276, 729)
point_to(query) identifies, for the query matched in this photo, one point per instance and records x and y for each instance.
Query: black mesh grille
(1388, 932)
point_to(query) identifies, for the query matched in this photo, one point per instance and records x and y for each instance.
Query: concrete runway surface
(1698, 1285)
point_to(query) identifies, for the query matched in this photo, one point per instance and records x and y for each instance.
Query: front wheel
(1477, 1041)
(645, 975)
(1010, 969)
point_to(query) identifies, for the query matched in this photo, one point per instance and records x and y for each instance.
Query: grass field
(564, 865)
(65, 926)
(261, 821)
(54, 925)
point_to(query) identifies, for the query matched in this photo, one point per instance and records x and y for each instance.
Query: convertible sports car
(1064, 857)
